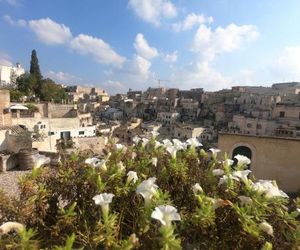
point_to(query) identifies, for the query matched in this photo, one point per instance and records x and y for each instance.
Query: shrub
(150, 196)
(32, 108)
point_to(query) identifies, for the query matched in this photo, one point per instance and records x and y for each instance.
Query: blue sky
(121, 44)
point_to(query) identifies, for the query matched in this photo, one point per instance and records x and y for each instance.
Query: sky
(120, 44)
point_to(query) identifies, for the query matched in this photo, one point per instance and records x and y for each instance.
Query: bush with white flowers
(151, 195)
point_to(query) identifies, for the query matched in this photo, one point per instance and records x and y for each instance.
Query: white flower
(242, 175)
(154, 134)
(298, 210)
(218, 172)
(145, 142)
(197, 188)
(154, 161)
(166, 214)
(102, 165)
(147, 189)
(136, 139)
(103, 200)
(92, 161)
(121, 166)
(133, 155)
(11, 226)
(242, 160)
(119, 146)
(266, 227)
(105, 140)
(225, 179)
(167, 143)
(228, 162)
(245, 200)
(268, 188)
(217, 202)
(97, 163)
(157, 144)
(132, 176)
(193, 142)
(214, 151)
(172, 150)
(179, 145)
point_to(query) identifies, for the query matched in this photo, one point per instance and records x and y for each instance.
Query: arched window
(241, 150)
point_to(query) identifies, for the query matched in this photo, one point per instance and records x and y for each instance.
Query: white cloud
(113, 86)
(153, 11)
(62, 77)
(143, 48)
(287, 64)
(139, 68)
(5, 59)
(12, 2)
(134, 73)
(192, 20)
(53, 33)
(210, 43)
(200, 75)
(245, 77)
(172, 57)
(50, 32)
(18, 23)
(100, 50)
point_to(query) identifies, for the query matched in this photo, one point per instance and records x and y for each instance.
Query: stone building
(8, 73)
(78, 93)
(54, 122)
(185, 131)
(167, 118)
(252, 125)
(272, 158)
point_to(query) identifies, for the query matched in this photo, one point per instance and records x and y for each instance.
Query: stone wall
(272, 158)
(5, 116)
(60, 111)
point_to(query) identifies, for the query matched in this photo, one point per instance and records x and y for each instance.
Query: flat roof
(261, 136)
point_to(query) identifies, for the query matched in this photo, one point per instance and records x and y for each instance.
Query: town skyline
(195, 44)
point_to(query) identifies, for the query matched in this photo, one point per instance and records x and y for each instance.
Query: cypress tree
(35, 71)
(34, 65)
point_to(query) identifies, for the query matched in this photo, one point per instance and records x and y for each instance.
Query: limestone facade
(271, 157)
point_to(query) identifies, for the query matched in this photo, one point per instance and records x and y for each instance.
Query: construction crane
(159, 81)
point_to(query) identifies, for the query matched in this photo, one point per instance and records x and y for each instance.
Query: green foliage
(15, 95)
(26, 84)
(58, 204)
(34, 66)
(32, 108)
(51, 91)
(33, 85)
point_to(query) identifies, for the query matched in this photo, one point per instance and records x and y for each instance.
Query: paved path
(9, 181)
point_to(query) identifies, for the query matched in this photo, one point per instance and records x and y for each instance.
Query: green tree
(36, 72)
(15, 95)
(26, 83)
(51, 91)
(34, 66)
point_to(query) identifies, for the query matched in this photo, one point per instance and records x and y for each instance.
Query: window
(281, 114)
(81, 132)
(249, 125)
(50, 133)
(258, 126)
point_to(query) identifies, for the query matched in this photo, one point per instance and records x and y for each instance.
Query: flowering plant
(151, 195)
